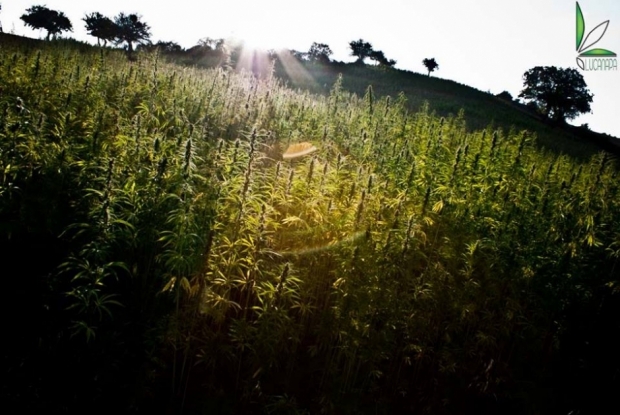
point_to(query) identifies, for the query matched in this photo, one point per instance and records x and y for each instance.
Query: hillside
(200, 241)
(447, 98)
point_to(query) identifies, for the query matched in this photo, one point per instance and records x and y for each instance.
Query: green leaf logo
(598, 52)
(581, 27)
(581, 64)
(592, 38)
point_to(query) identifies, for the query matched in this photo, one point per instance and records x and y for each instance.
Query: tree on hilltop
(101, 27)
(319, 52)
(168, 47)
(558, 93)
(300, 56)
(379, 57)
(130, 29)
(361, 49)
(40, 17)
(505, 95)
(212, 44)
(431, 65)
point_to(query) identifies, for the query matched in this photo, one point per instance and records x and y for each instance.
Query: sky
(487, 44)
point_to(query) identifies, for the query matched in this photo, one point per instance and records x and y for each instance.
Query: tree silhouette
(208, 43)
(129, 29)
(40, 17)
(101, 27)
(319, 52)
(163, 46)
(431, 65)
(1, 31)
(300, 56)
(379, 57)
(505, 95)
(168, 47)
(361, 49)
(558, 93)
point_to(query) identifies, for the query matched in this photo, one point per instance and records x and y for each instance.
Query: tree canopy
(505, 95)
(379, 57)
(208, 43)
(361, 49)
(130, 29)
(40, 17)
(101, 27)
(558, 93)
(169, 47)
(431, 65)
(319, 52)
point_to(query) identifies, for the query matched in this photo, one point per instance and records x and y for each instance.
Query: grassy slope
(447, 98)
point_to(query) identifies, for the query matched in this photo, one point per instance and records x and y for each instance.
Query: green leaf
(185, 284)
(169, 285)
(599, 52)
(581, 26)
(123, 222)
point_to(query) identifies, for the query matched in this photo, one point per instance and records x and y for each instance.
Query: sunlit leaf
(169, 285)
(438, 206)
(185, 284)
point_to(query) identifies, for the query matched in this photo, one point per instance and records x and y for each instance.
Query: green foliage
(168, 47)
(560, 93)
(130, 29)
(361, 49)
(447, 99)
(409, 264)
(319, 52)
(101, 27)
(40, 17)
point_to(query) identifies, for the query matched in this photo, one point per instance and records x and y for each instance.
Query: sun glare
(259, 39)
